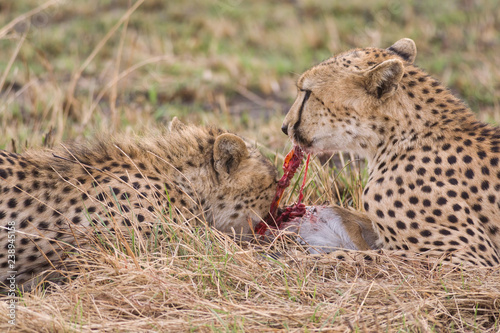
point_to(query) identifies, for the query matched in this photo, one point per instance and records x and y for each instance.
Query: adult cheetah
(434, 172)
(52, 198)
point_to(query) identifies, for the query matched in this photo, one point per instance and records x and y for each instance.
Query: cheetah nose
(284, 128)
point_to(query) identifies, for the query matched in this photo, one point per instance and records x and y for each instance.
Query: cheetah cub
(50, 200)
(434, 172)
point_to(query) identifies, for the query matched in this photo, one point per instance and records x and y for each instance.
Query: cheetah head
(239, 183)
(247, 183)
(345, 102)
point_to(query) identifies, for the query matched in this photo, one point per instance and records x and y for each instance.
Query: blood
(277, 216)
(301, 192)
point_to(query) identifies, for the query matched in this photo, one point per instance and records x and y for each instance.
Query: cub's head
(247, 184)
(237, 182)
(345, 102)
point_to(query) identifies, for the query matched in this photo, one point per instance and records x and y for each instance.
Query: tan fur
(53, 197)
(358, 227)
(434, 184)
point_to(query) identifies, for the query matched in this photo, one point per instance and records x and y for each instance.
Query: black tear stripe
(403, 55)
(306, 97)
(297, 135)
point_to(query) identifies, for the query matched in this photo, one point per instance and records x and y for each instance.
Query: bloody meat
(277, 216)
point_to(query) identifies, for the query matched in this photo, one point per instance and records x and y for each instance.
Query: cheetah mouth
(316, 146)
(299, 140)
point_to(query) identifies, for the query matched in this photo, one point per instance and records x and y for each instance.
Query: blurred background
(71, 69)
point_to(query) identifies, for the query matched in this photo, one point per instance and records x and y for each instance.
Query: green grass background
(229, 62)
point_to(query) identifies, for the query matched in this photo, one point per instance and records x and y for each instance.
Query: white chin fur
(323, 145)
(314, 149)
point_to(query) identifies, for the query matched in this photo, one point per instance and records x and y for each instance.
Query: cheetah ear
(176, 125)
(382, 81)
(229, 151)
(406, 49)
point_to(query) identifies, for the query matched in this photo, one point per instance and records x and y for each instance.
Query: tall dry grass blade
(114, 88)
(76, 75)
(12, 59)
(5, 30)
(104, 90)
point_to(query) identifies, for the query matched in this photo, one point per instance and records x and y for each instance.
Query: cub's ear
(382, 81)
(406, 49)
(229, 151)
(176, 125)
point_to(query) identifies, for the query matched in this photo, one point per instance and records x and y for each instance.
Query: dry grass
(77, 71)
(207, 282)
(198, 279)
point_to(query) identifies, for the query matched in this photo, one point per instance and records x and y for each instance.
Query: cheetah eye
(303, 89)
